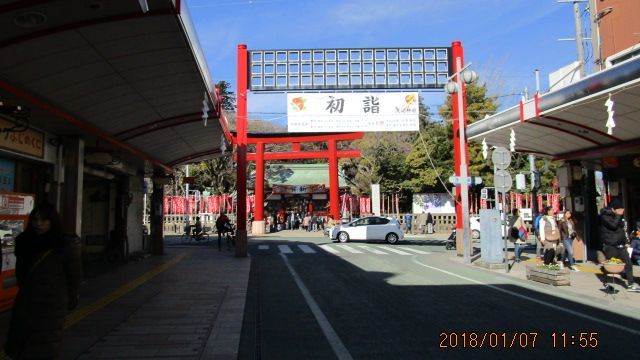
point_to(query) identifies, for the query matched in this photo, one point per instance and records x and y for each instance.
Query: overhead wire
(433, 166)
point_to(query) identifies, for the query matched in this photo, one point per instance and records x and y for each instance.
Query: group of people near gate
(555, 237)
(296, 221)
(425, 223)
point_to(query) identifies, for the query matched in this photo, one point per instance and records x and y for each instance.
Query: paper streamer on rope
(205, 109)
(610, 121)
(512, 141)
(485, 149)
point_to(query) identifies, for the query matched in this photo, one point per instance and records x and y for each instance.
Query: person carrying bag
(549, 235)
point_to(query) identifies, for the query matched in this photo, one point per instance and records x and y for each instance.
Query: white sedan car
(368, 228)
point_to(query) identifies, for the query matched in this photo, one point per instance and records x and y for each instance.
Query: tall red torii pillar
(241, 145)
(332, 154)
(457, 52)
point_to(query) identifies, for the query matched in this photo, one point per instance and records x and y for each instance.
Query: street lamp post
(462, 74)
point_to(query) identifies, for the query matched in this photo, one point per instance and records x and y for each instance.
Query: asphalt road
(310, 298)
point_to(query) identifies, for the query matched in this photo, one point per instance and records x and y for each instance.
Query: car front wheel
(392, 238)
(343, 237)
(475, 234)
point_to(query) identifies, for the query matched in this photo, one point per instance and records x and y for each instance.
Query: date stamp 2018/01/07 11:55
(522, 340)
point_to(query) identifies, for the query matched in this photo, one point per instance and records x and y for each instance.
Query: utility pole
(535, 179)
(579, 39)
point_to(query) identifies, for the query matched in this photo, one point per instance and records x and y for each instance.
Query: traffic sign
(471, 180)
(501, 158)
(502, 181)
(189, 180)
(521, 182)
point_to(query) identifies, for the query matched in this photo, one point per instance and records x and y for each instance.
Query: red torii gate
(332, 154)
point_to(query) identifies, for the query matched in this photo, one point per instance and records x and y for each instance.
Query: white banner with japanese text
(345, 112)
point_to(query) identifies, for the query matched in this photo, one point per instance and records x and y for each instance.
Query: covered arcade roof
(128, 75)
(571, 123)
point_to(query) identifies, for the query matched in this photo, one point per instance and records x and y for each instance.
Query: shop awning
(128, 75)
(571, 123)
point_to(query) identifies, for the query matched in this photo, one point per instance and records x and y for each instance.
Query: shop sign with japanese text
(29, 142)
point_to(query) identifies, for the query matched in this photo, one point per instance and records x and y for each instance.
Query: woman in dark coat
(48, 270)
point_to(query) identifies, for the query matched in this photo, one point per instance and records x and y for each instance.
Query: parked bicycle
(188, 235)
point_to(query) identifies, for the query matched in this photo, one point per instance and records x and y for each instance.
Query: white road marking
(373, 250)
(285, 249)
(525, 297)
(390, 248)
(306, 249)
(350, 249)
(338, 347)
(263, 247)
(328, 248)
(416, 251)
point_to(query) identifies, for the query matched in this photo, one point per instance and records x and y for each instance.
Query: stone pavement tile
(120, 352)
(126, 329)
(146, 339)
(174, 338)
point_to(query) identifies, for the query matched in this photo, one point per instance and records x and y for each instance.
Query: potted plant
(613, 266)
(551, 274)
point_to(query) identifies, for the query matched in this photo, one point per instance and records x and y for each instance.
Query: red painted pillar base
(258, 225)
(334, 201)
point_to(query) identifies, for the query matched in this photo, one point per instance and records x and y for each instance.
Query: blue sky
(505, 40)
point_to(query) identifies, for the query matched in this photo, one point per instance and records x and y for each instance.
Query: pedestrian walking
(613, 234)
(407, 222)
(568, 233)
(48, 271)
(292, 220)
(535, 226)
(635, 247)
(517, 234)
(306, 222)
(429, 223)
(549, 235)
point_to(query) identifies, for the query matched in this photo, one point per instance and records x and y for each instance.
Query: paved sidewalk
(586, 285)
(188, 304)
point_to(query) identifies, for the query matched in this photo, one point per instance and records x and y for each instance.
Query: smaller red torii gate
(332, 154)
